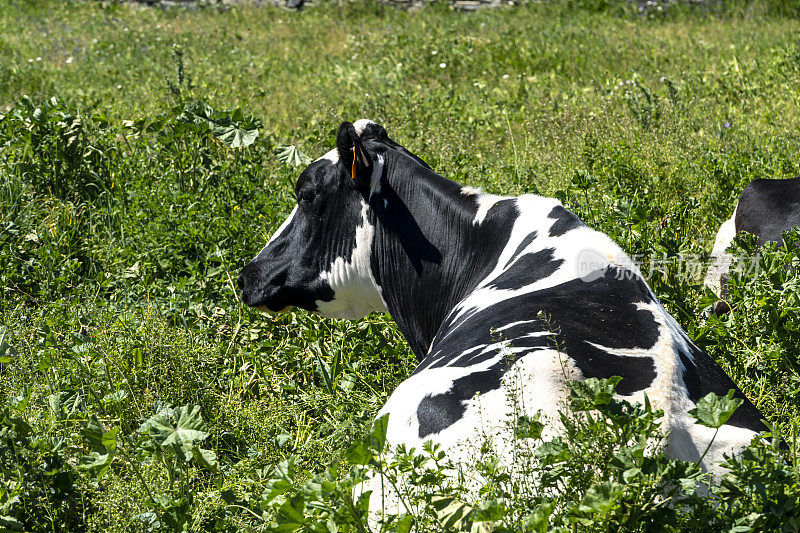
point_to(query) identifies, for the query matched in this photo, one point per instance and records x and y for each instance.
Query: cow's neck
(428, 251)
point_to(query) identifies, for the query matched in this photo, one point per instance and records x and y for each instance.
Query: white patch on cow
(332, 156)
(361, 124)
(686, 440)
(280, 230)
(572, 248)
(356, 293)
(485, 202)
(689, 440)
(375, 177)
(469, 191)
(717, 274)
(536, 382)
(512, 324)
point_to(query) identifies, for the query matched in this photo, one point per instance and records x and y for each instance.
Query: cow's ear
(374, 131)
(352, 153)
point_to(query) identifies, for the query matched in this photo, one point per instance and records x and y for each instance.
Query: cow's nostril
(279, 279)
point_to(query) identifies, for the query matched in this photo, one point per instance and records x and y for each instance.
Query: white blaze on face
(356, 293)
(361, 124)
(280, 230)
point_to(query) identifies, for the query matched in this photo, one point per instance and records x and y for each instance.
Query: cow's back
(564, 302)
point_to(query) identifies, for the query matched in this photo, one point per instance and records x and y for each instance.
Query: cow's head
(319, 259)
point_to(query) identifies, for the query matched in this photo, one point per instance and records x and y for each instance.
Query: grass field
(127, 209)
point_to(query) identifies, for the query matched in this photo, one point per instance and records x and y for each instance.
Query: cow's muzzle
(260, 286)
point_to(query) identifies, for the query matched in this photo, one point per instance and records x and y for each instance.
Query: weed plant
(147, 154)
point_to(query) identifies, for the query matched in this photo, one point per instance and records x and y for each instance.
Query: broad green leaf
(161, 413)
(403, 525)
(137, 357)
(451, 512)
(488, 511)
(289, 154)
(713, 411)
(379, 429)
(364, 450)
(115, 397)
(7, 352)
(229, 127)
(21, 427)
(286, 469)
(528, 427)
(600, 499)
(205, 458)
(103, 446)
(235, 135)
(281, 481)
(182, 426)
(552, 452)
(93, 433)
(359, 453)
(196, 112)
(592, 393)
(20, 401)
(65, 404)
(290, 515)
(539, 520)
(9, 523)
(7, 505)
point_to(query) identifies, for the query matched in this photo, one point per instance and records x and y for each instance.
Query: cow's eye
(305, 197)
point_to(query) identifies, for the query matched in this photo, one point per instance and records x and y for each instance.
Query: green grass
(122, 229)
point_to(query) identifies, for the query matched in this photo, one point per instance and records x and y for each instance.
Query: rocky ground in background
(465, 5)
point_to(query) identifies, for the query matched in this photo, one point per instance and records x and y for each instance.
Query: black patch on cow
(437, 412)
(399, 222)
(430, 249)
(702, 375)
(565, 221)
(573, 317)
(475, 358)
(576, 317)
(768, 207)
(524, 244)
(528, 269)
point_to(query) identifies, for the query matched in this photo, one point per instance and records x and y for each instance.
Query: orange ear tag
(353, 171)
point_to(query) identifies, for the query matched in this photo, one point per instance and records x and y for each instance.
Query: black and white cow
(766, 208)
(496, 296)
